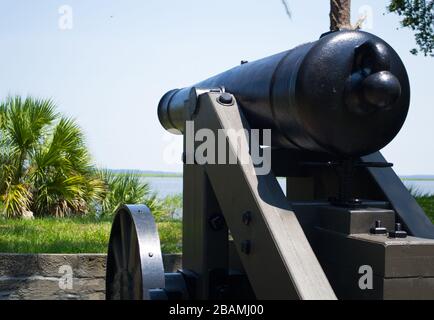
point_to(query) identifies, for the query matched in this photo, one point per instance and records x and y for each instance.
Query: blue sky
(110, 70)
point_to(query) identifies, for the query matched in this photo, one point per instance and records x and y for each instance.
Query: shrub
(425, 200)
(45, 166)
(173, 206)
(127, 188)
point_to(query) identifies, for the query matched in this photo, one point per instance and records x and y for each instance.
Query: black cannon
(347, 94)
(345, 226)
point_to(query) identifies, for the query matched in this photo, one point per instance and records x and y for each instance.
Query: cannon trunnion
(345, 227)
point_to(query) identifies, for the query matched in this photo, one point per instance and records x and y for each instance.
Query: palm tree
(45, 167)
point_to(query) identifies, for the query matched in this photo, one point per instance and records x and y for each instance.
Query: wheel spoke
(117, 254)
(133, 259)
(137, 283)
(125, 236)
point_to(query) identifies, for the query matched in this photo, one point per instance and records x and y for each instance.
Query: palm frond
(61, 195)
(47, 152)
(127, 188)
(16, 200)
(27, 119)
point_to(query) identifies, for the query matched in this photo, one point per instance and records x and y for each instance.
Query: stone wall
(58, 276)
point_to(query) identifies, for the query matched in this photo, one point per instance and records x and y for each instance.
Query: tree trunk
(340, 14)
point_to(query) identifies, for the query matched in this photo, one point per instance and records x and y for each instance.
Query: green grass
(51, 235)
(72, 235)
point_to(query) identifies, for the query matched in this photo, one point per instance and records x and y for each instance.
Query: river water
(166, 186)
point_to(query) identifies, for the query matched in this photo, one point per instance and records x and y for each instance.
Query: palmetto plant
(44, 164)
(128, 188)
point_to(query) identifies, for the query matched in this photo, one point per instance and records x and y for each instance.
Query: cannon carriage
(346, 227)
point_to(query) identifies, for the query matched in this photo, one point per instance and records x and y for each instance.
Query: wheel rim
(134, 260)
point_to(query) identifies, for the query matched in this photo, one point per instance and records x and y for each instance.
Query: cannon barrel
(346, 94)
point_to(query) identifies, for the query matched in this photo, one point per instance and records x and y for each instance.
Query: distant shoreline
(179, 175)
(163, 174)
(154, 175)
(159, 175)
